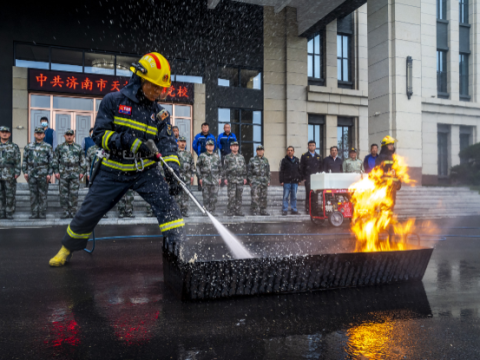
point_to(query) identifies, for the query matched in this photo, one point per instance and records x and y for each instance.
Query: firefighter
(125, 123)
(385, 161)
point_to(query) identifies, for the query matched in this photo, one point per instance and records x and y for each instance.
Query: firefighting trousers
(108, 189)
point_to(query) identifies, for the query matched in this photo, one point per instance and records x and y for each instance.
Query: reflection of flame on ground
(62, 328)
(373, 199)
(370, 341)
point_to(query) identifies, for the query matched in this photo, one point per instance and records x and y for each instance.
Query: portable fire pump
(329, 197)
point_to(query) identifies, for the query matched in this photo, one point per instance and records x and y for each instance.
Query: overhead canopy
(312, 15)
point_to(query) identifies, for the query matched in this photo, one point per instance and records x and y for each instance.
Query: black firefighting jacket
(125, 120)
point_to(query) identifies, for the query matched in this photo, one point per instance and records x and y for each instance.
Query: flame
(373, 199)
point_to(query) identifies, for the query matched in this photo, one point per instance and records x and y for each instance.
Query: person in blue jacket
(131, 127)
(224, 140)
(199, 143)
(369, 162)
(201, 139)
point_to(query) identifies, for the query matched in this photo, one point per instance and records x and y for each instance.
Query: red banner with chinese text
(96, 85)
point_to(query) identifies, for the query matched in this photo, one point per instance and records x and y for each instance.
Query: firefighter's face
(153, 92)
(5, 135)
(390, 147)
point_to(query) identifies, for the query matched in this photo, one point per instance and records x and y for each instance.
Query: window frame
(172, 62)
(464, 76)
(240, 123)
(312, 80)
(463, 12)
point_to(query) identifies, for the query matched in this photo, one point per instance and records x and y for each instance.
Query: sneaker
(264, 213)
(184, 214)
(9, 216)
(149, 214)
(65, 215)
(33, 216)
(42, 216)
(295, 213)
(239, 214)
(130, 215)
(121, 215)
(254, 213)
(229, 213)
(284, 213)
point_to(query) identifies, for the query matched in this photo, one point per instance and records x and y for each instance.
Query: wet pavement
(114, 304)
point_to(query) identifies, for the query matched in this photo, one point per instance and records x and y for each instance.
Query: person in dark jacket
(200, 142)
(224, 140)
(310, 163)
(369, 162)
(129, 125)
(386, 161)
(289, 178)
(333, 163)
(50, 134)
(87, 143)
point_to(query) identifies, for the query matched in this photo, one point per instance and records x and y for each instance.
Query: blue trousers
(108, 188)
(290, 190)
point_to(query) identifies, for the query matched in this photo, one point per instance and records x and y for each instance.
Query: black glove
(173, 185)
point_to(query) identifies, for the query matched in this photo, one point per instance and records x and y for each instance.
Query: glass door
(63, 121)
(83, 123)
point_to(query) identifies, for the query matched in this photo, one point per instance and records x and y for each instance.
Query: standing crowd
(219, 163)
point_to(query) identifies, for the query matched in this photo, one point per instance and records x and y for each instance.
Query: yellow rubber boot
(62, 257)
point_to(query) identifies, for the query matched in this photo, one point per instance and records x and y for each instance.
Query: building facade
(281, 72)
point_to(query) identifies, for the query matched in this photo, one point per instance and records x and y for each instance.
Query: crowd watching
(219, 163)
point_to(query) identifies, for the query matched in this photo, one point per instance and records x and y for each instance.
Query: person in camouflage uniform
(187, 168)
(352, 164)
(69, 167)
(10, 168)
(209, 172)
(235, 172)
(125, 205)
(259, 179)
(92, 150)
(37, 170)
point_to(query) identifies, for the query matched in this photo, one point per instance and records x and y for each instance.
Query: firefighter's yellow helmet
(388, 140)
(154, 68)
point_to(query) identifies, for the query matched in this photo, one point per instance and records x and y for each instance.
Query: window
(441, 9)
(315, 131)
(181, 116)
(67, 60)
(100, 64)
(63, 112)
(124, 63)
(344, 136)
(466, 136)
(315, 61)
(344, 51)
(247, 125)
(463, 11)
(442, 74)
(187, 71)
(464, 77)
(443, 134)
(233, 76)
(37, 57)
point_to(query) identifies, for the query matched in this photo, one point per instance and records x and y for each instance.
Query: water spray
(238, 250)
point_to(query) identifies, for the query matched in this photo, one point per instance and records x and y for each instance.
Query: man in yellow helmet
(385, 161)
(125, 123)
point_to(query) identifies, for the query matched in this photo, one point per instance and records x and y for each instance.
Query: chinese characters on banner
(93, 84)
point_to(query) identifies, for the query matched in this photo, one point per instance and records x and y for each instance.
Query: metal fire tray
(286, 265)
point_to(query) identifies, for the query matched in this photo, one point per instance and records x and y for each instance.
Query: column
(454, 145)
(331, 55)
(296, 85)
(274, 55)
(429, 48)
(393, 34)
(453, 71)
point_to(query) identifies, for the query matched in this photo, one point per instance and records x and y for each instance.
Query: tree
(468, 173)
